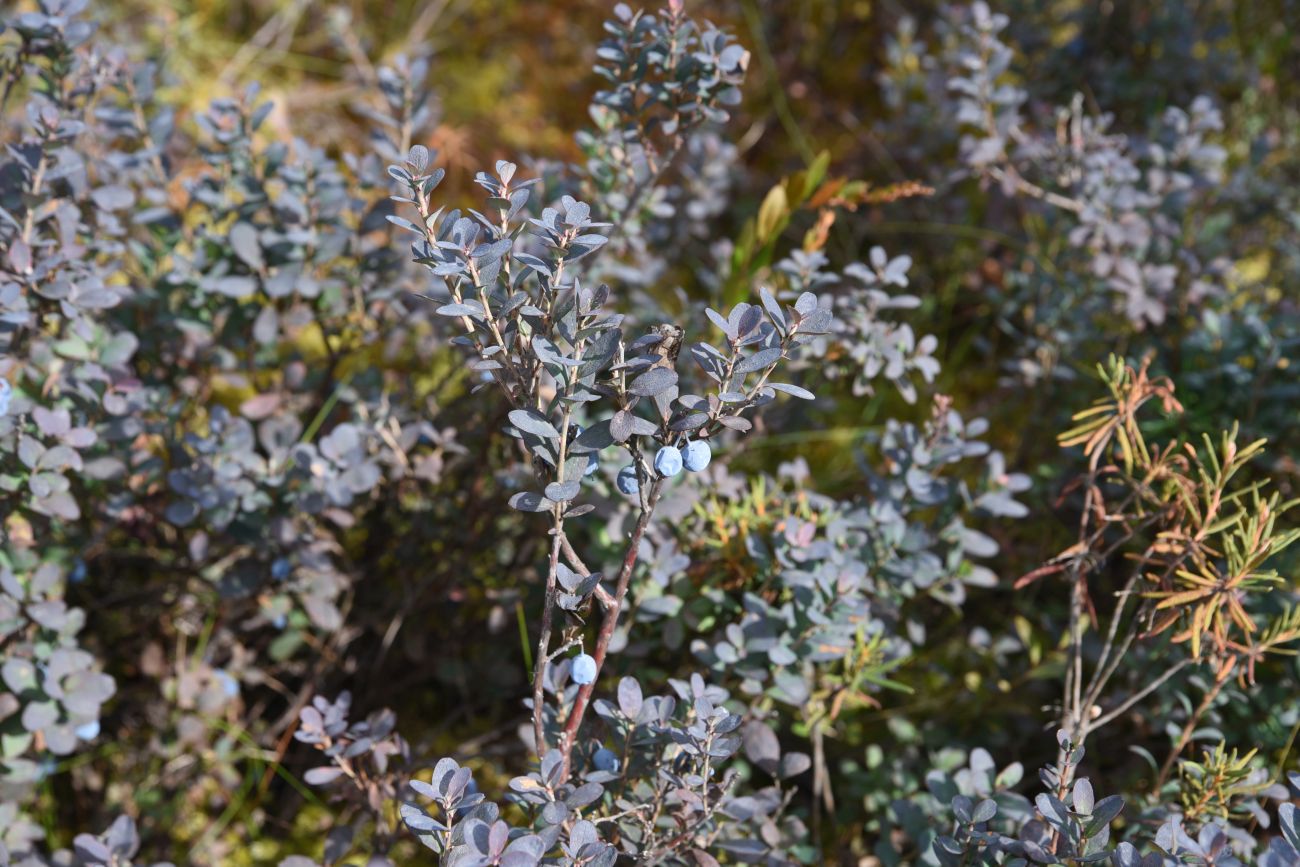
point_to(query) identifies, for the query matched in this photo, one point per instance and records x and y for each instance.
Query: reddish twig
(607, 626)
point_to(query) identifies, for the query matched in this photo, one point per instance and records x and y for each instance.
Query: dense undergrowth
(821, 425)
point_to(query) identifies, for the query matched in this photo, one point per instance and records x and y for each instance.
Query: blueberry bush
(755, 441)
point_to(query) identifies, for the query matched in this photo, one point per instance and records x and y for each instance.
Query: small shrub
(343, 516)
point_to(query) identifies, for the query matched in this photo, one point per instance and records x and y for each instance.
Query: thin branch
(575, 563)
(1138, 696)
(544, 638)
(607, 627)
(1186, 734)
(1012, 177)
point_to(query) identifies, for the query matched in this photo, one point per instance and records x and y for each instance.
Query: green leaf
(773, 213)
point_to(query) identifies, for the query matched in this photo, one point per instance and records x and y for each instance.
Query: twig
(1186, 734)
(574, 722)
(1138, 696)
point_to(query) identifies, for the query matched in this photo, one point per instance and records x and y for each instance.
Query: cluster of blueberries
(668, 462)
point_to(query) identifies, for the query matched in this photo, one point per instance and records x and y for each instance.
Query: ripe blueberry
(605, 760)
(668, 462)
(627, 481)
(584, 669)
(698, 454)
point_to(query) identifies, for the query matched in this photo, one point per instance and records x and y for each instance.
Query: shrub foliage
(626, 506)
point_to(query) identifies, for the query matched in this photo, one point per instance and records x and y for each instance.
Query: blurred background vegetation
(512, 79)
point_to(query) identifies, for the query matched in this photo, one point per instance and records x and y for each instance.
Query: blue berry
(698, 454)
(88, 731)
(6, 391)
(669, 461)
(584, 669)
(627, 481)
(605, 760)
